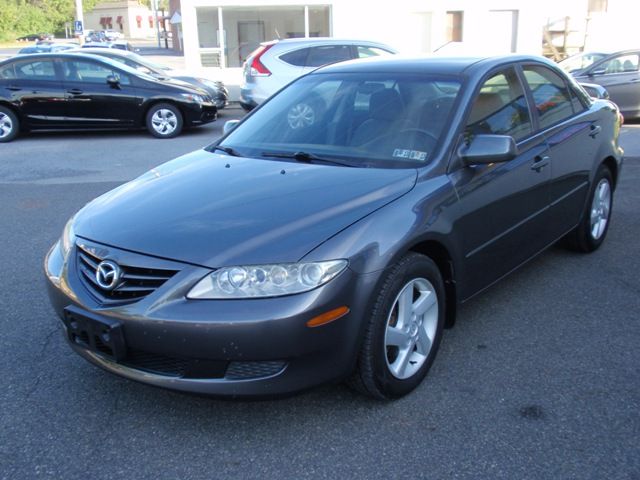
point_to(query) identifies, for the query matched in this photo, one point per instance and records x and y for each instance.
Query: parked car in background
(118, 45)
(47, 48)
(33, 37)
(216, 89)
(618, 72)
(298, 250)
(274, 64)
(112, 35)
(80, 91)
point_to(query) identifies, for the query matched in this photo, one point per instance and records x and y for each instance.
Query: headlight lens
(193, 97)
(259, 281)
(68, 238)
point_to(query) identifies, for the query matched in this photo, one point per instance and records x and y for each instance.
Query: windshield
(381, 120)
(580, 61)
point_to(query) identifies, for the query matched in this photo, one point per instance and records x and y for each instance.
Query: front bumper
(256, 347)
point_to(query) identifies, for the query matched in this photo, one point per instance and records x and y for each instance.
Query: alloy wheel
(164, 121)
(411, 328)
(600, 208)
(6, 125)
(301, 115)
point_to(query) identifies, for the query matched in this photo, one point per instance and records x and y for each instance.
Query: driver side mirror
(599, 71)
(229, 125)
(113, 81)
(485, 149)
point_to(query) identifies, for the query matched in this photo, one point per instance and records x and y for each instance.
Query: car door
(501, 213)
(35, 87)
(620, 75)
(571, 131)
(92, 101)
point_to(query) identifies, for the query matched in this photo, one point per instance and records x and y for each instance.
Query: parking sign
(77, 26)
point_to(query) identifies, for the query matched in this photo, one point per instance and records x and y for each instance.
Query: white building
(223, 32)
(129, 17)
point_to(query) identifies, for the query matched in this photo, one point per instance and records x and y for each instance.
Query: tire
(164, 121)
(398, 348)
(9, 125)
(593, 228)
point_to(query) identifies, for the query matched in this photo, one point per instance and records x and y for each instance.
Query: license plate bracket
(99, 334)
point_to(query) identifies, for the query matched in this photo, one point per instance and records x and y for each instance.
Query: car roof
(292, 42)
(71, 55)
(436, 65)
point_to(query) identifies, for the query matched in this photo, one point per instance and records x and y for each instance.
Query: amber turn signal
(327, 317)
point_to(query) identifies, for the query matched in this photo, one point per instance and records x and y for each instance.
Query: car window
(326, 54)
(365, 52)
(550, 95)
(389, 120)
(81, 71)
(621, 64)
(500, 108)
(8, 71)
(38, 70)
(297, 58)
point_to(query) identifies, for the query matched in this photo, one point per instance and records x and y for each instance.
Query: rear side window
(550, 95)
(366, 52)
(7, 72)
(621, 64)
(39, 70)
(79, 71)
(297, 58)
(501, 108)
(327, 54)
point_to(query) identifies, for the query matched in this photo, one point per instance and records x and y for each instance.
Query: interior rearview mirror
(484, 149)
(229, 125)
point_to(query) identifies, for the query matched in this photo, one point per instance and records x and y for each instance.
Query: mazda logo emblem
(108, 275)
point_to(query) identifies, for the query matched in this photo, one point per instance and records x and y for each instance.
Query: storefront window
(246, 27)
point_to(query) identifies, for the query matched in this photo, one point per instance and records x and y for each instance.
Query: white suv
(274, 64)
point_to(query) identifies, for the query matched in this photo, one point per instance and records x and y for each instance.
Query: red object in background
(139, 20)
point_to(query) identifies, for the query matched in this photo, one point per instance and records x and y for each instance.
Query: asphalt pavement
(539, 379)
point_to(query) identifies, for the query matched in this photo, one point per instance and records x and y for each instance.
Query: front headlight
(256, 281)
(192, 97)
(68, 238)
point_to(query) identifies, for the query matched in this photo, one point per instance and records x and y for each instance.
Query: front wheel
(404, 330)
(593, 227)
(164, 121)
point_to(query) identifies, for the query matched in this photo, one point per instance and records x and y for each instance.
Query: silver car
(275, 64)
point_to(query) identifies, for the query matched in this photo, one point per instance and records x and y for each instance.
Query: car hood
(214, 210)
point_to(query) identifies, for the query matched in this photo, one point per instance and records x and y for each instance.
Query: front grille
(246, 370)
(135, 283)
(155, 363)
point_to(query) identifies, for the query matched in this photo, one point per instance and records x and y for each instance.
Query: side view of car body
(215, 89)
(74, 91)
(618, 72)
(303, 249)
(274, 64)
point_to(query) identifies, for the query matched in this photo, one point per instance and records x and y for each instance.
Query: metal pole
(80, 18)
(306, 21)
(155, 16)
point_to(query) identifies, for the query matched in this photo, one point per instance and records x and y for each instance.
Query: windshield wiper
(227, 150)
(306, 157)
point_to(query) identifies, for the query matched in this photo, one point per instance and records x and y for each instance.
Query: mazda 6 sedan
(332, 233)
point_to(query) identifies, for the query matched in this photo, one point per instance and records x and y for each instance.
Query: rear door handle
(540, 162)
(595, 130)
(75, 91)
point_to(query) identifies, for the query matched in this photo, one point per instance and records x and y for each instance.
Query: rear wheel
(9, 125)
(164, 121)
(593, 227)
(404, 330)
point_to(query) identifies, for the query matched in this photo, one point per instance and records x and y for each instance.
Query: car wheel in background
(9, 125)
(404, 329)
(164, 121)
(593, 227)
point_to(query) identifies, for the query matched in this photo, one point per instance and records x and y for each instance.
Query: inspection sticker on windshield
(410, 154)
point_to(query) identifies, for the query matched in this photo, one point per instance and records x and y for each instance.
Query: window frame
(54, 62)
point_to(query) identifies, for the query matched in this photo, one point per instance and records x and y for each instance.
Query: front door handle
(75, 91)
(540, 162)
(595, 130)
(13, 88)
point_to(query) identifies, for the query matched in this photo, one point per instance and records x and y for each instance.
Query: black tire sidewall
(165, 106)
(16, 125)
(414, 266)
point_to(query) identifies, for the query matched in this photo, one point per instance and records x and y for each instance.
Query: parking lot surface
(538, 379)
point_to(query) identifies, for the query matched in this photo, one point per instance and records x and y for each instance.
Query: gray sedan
(618, 72)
